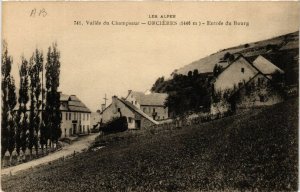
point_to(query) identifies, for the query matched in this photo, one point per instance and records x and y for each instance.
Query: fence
(185, 121)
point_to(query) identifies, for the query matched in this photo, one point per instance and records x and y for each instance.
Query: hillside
(257, 151)
(278, 45)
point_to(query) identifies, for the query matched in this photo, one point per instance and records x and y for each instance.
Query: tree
(35, 68)
(195, 72)
(52, 112)
(12, 101)
(5, 79)
(22, 131)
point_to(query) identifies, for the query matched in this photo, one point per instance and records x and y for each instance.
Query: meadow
(257, 151)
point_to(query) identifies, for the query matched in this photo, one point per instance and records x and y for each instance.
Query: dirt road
(77, 146)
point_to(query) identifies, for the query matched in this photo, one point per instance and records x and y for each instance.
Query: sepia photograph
(150, 96)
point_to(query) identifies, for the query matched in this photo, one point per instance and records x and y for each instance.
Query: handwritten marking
(39, 13)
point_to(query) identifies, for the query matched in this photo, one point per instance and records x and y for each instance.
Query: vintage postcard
(149, 96)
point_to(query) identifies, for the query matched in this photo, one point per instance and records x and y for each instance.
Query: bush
(115, 125)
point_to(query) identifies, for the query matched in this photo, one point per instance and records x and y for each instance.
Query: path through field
(78, 146)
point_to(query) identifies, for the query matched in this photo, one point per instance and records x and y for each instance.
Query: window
(69, 116)
(163, 117)
(132, 102)
(74, 116)
(119, 110)
(66, 116)
(144, 109)
(129, 119)
(83, 116)
(87, 116)
(79, 116)
(153, 109)
(135, 102)
(242, 70)
(158, 117)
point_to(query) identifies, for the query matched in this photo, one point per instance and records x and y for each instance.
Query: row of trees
(26, 124)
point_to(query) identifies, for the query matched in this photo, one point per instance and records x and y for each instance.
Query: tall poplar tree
(5, 78)
(12, 101)
(35, 68)
(22, 132)
(52, 112)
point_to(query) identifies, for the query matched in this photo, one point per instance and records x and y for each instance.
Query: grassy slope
(253, 151)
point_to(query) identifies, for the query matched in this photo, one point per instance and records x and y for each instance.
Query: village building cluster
(243, 83)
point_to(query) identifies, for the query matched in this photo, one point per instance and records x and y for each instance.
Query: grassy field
(254, 151)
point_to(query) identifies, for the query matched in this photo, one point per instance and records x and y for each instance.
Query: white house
(152, 104)
(75, 116)
(248, 84)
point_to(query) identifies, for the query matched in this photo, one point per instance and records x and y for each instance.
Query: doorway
(137, 124)
(74, 129)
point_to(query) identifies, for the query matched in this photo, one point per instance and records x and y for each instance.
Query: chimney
(114, 99)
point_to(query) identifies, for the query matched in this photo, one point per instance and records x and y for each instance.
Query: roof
(152, 99)
(73, 104)
(64, 97)
(265, 66)
(290, 45)
(68, 103)
(134, 108)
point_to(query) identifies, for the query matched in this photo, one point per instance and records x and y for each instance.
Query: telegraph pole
(105, 99)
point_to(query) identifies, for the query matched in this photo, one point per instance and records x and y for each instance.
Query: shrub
(115, 125)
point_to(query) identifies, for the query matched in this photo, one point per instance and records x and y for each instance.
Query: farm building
(136, 118)
(243, 84)
(152, 104)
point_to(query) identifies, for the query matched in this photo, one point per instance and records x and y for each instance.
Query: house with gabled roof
(243, 84)
(152, 104)
(75, 116)
(136, 118)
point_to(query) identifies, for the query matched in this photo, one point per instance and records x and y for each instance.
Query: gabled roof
(139, 111)
(73, 104)
(265, 66)
(64, 97)
(290, 45)
(152, 99)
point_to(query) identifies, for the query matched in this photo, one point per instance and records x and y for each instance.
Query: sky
(112, 59)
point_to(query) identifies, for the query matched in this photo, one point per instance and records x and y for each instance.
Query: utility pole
(105, 99)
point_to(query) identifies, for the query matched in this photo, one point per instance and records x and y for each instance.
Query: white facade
(239, 72)
(73, 123)
(75, 116)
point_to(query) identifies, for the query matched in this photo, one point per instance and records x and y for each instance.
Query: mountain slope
(250, 50)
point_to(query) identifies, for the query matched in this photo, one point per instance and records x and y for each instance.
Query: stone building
(136, 118)
(152, 104)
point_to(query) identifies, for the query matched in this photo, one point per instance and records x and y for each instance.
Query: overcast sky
(113, 59)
